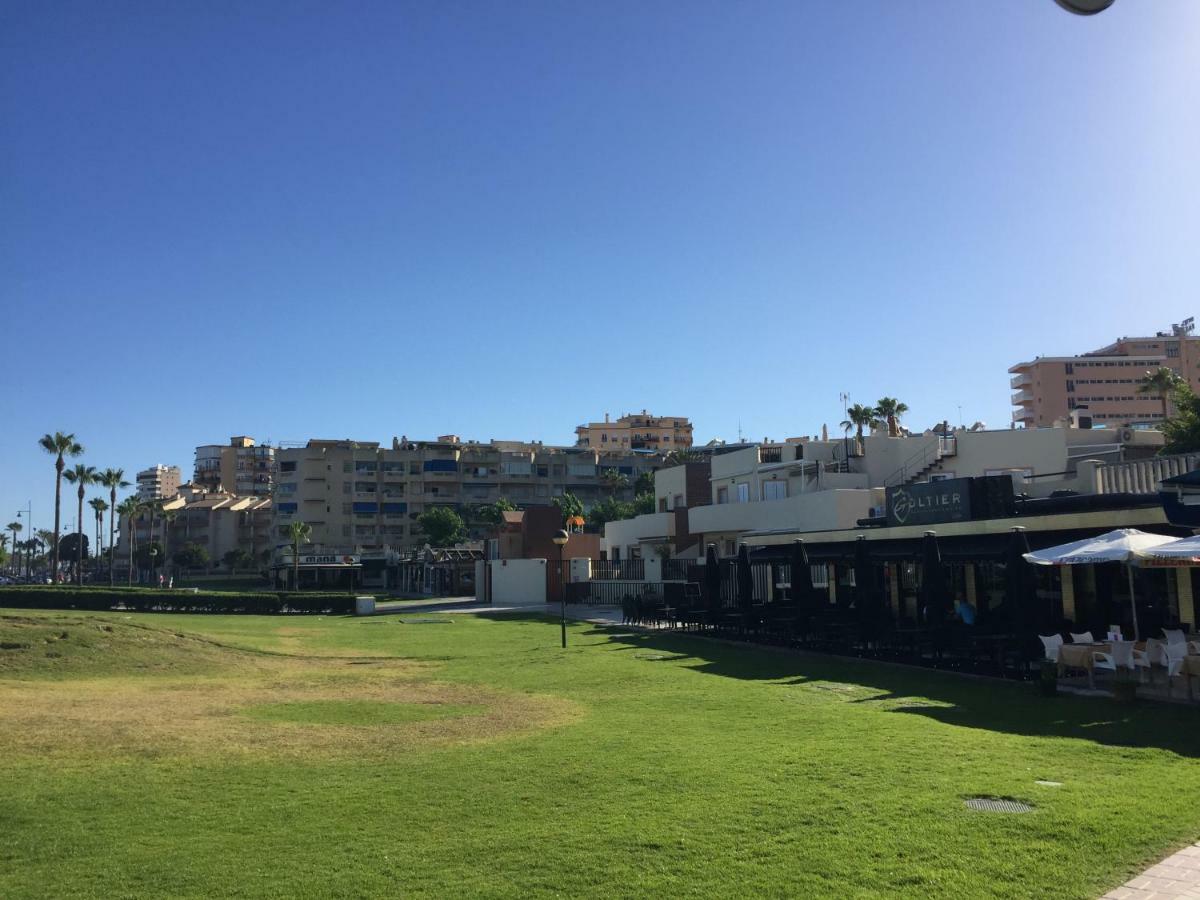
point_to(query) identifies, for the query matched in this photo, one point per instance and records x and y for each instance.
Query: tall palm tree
(14, 527)
(860, 417)
(127, 509)
(299, 532)
(1162, 382)
(891, 410)
(168, 517)
(614, 480)
(83, 476)
(13, 564)
(99, 506)
(59, 445)
(30, 547)
(112, 479)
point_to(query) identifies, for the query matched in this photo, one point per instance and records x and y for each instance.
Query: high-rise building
(1103, 385)
(158, 482)
(640, 431)
(240, 467)
(356, 495)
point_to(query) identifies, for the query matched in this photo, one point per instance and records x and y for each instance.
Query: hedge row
(99, 599)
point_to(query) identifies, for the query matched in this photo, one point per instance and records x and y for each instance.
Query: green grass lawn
(421, 755)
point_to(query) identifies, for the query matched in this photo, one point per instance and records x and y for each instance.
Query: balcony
(1019, 381)
(770, 454)
(1020, 398)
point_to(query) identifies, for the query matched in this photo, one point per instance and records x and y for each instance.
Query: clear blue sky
(500, 219)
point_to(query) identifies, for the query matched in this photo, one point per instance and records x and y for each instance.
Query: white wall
(518, 582)
(668, 483)
(817, 511)
(627, 533)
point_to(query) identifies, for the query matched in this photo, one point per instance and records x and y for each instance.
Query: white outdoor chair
(1085, 638)
(1051, 643)
(1173, 657)
(1174, 636)
(1123, 656)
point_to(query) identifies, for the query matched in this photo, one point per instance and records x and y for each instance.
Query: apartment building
(158, 482)
(358, 495)
(640, 431)
(217, 521)
(240, 467)
(1102, 385)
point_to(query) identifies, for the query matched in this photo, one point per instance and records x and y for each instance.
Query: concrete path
(1176, 876)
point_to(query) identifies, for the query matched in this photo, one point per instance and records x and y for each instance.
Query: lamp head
(1085, 7)
(561, 538)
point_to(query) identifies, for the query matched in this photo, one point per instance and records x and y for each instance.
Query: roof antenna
(740, 440)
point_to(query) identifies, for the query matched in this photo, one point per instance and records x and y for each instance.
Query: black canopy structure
(712, 578)
(745, 578)
(803, 592)
(1020, 592)
(934, 594)
(867, 601)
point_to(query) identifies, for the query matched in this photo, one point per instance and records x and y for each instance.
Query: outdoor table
(1079, 656)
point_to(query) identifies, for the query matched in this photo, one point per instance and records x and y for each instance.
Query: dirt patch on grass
(73, 687)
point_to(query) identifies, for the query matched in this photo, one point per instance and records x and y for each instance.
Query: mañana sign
(329, 560)
(927, 503)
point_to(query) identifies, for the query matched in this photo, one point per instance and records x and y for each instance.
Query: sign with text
(330, 559)
(929, 502)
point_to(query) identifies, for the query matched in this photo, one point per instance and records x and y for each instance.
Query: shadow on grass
(984, 703)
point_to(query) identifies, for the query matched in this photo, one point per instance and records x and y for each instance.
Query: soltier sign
(927, 503)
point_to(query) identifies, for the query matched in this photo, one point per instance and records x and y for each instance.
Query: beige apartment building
(158, 482)
(217, 521)
(240, 467)
(1103, 385)
(640, 431)
(357, 495)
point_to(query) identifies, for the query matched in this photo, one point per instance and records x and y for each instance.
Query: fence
(618, 570)
(1143, 476)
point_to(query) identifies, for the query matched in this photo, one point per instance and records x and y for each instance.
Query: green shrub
(102, 599)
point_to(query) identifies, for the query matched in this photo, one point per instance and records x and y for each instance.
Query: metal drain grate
(989, 804)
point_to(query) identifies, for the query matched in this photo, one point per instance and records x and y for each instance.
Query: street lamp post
(560, 541)
(153, 563)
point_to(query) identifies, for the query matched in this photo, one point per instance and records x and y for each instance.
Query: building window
(743, 492)
(678, 501)
(287, 467)
(774, 490)
(662, 504)
(722, 495)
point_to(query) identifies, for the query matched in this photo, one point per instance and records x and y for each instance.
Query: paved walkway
(1175, 876)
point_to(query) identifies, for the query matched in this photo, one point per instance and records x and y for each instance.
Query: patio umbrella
(1119, 546)
(745, 578)
(712, 578)
(934, 589)
(1184, 552)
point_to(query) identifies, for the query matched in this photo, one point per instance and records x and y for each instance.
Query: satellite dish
(1085, 7)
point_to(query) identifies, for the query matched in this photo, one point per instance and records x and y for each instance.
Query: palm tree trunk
(79, 535)
(112, 511)
(58, 470)
(295, 565)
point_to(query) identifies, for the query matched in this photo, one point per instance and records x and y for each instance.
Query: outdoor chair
(1174, 656)
(1084, 638)
(1051, 643)
(1124, 655)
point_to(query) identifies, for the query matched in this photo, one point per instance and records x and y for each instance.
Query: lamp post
(560, 540)
(153, 563)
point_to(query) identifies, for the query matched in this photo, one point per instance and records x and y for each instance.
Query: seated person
(965, 612)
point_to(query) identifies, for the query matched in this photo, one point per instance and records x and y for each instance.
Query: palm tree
(299, 532)
(127, 509)
(891, 410)
(99, 505)
(614, 480)
(14, 527)
(58, 445)
(1163, 382)
(4, 546)
(860, 417)
(83, 476)
(168, 517)
(112, 479)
